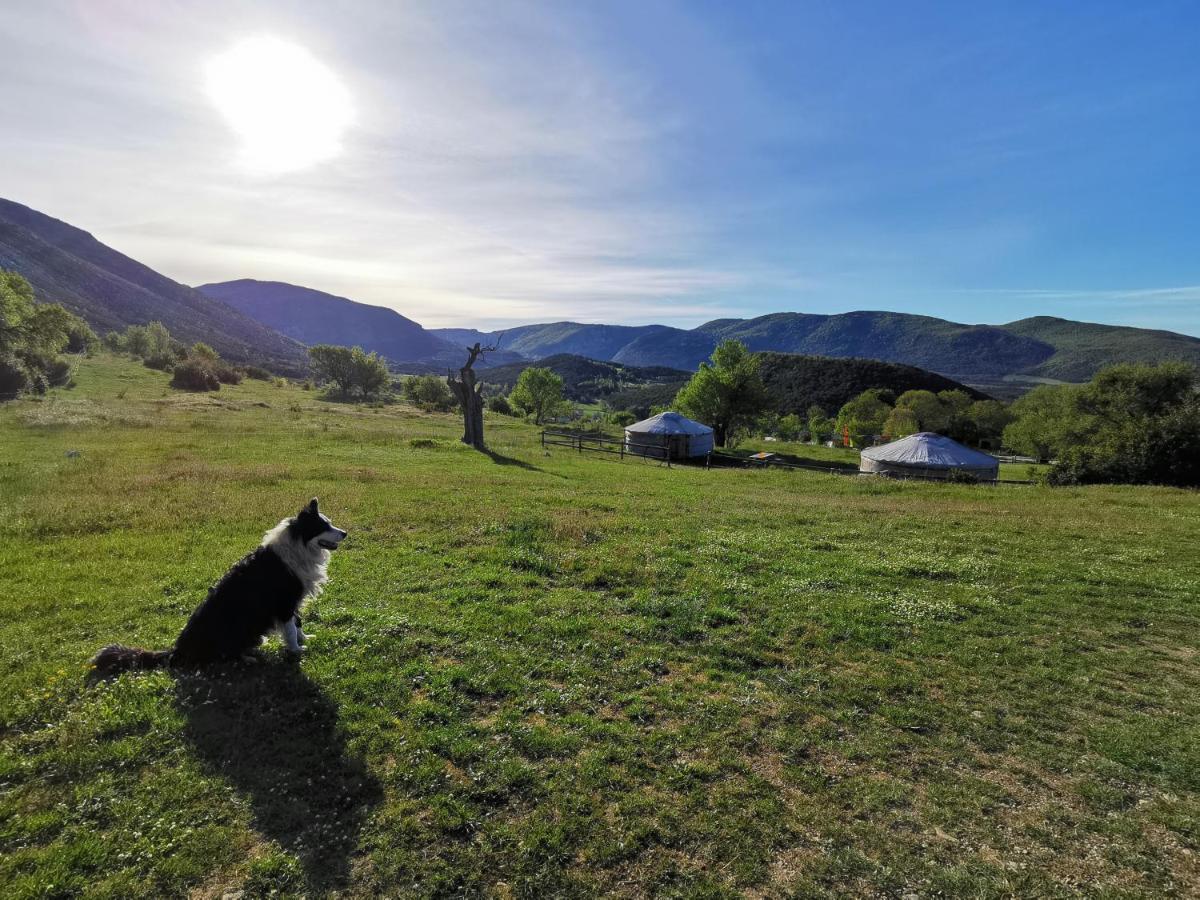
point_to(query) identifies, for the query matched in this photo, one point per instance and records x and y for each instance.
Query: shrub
(226, 374)
(58, 372)
(258, 373)
(499, 404)
(14, 379)
(81, 338)
(351, 370)
(960, 476)
(201, 350)
(161, 361)
(427, 392)
(195, 375)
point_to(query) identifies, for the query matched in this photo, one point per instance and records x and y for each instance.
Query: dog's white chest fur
(308, 562)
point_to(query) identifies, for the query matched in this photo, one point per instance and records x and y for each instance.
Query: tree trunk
(719, 434)
(469, 394)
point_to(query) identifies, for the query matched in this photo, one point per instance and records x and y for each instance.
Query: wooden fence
(601, 443)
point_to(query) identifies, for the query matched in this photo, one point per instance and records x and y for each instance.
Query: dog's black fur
(262, 592)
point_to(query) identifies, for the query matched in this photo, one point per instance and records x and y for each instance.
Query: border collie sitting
(261, 593)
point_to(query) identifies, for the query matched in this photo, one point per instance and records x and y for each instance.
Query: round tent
(928, 455)
(668, 435)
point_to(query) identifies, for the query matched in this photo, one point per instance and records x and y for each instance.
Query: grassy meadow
(546, 674)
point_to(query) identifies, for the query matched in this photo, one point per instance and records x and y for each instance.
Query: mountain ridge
(1028, 349)
(311, 317)
(245, 321)
(110, 290)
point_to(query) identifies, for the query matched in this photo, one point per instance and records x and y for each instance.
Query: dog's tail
(117, 658)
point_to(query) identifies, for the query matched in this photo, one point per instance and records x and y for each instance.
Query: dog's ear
(311, 509)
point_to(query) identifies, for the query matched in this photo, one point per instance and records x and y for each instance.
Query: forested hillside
(111, 291)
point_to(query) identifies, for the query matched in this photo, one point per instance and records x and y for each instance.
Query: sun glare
(288, 109)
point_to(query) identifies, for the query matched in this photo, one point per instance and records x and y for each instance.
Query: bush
(960, 476)
(258, 373)
(499, 404)
(1132, 424)
(351, 370)
(14, 379)
(81, 338)
(226, 374)
(195, 375)
(58, 372)
(201, 350)
(427, 392)
(161, 361)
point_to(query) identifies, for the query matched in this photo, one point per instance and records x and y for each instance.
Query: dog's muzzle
(332, 541)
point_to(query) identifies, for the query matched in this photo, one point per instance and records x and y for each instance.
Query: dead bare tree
(469, 393)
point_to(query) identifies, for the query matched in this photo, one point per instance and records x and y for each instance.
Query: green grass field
(550, 674)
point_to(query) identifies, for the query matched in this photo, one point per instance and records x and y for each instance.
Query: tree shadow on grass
(273, 734)
(501, 460)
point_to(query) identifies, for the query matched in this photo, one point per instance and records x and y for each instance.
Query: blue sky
(636, 162)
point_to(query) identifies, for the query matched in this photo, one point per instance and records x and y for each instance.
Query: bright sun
(288, 109)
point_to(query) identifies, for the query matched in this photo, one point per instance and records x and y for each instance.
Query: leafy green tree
(957, 406)
(31, 337)
(81, 338)
(538, 392)
(136, 341)
(114, 342)
(990, 418)
(865, 415)
(927, 409)
(901, 422)
(1043, 421)
(351, 370)
(427, 392)
(1135, 424)
(820, 426)
(791, 427)
(725, 394)
(158, 340)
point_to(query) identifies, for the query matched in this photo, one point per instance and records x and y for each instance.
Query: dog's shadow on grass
(273, 734)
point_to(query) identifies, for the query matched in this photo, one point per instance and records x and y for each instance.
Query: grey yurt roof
(668, 423)
(931, 451)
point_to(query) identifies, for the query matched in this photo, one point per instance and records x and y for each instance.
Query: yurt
(668, 435)
(928, 455)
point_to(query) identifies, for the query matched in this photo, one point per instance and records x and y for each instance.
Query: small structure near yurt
(929, 455)
(668, 435)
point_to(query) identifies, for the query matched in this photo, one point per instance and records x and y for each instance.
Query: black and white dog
(261, 593)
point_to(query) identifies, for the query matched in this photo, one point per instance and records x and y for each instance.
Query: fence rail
(595, 443)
